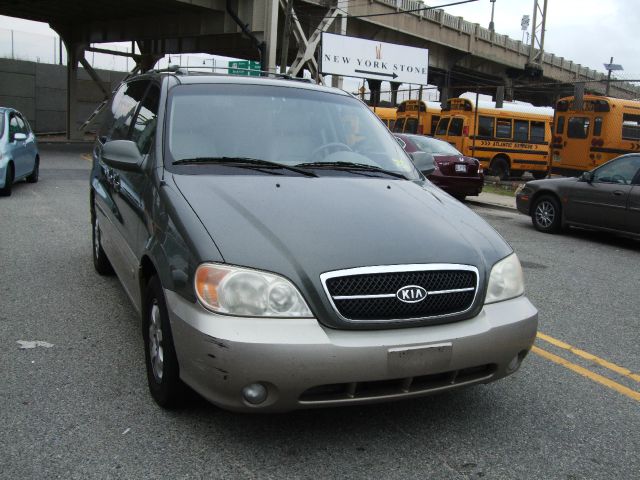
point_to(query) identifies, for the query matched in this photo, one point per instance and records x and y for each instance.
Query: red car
(455, 174)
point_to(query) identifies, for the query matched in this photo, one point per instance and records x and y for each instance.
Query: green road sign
(244, 67)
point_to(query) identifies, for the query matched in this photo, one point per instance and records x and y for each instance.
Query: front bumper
(303, 364)
(458, 185)
(523, 202)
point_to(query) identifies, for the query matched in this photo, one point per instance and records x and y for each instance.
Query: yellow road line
(588, 373)
(625, 372)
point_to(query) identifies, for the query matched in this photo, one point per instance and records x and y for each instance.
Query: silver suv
(284, 252)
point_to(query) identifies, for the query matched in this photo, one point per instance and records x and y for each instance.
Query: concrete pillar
(74, 51)
(271, 33)
(374, 87)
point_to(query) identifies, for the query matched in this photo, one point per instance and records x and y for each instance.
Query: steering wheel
(619, 179)
(336, 146)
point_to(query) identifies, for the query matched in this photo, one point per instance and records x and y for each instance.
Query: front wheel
(163, 373)
(545, 214)
(500, 168)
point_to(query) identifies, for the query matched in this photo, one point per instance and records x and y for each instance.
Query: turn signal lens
(245, 292)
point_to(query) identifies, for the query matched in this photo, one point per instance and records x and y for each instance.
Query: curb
(490, 205)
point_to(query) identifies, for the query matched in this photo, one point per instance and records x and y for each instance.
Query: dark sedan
(606, 198)
(455, 174)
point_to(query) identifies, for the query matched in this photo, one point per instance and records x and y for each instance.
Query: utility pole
(610, 67)
(286, 31)
(491, 24)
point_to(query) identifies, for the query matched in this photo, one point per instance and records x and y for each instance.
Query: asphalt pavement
(79, 407)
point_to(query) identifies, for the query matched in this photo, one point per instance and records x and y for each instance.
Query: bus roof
(610, 100)
(519, 107)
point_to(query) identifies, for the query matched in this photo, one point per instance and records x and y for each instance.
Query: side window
(144, 126)
(392, 124)
(434, 124)
(455, 128)
(560, 126)
(14, 126)
(411, 126)
(521, 130)
(597, 126)
(619, 171)
(630, 127)
(123, 108)
(503, 129)
(485, 126)
(578, 127)
(399, 125)
(443, 125)
(537, 132)
(24, 126)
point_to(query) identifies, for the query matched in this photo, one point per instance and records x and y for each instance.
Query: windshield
(435, 147)
(222, 124)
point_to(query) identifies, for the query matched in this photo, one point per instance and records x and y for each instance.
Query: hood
(301, 227)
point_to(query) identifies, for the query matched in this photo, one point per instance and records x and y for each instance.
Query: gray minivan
(284, 252)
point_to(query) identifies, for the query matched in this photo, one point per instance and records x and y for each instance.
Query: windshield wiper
(241, 162)
(351, 166)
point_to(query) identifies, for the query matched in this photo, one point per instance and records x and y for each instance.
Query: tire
(500, 168)
(546, 214)
(33, 177)
(8, 181)
(460, 197)
(100, 261)
(163, 372)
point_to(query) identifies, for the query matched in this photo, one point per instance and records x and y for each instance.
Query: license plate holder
(461, 168)
(419, 359)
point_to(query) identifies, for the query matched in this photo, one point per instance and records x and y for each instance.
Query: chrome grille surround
(383, 269)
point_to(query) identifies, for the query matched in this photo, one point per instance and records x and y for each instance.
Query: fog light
(514, 364)
(255, 393)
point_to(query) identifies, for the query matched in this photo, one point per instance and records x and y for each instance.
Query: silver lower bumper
(304, 364)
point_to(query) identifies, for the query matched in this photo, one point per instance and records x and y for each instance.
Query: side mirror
(423, 162)
(586, 177)
(122, 154)
(19, 136)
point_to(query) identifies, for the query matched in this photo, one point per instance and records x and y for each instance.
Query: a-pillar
(394, 92)
(74, 52)
(374, 87)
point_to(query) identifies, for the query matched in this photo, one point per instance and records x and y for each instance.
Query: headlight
(245, 292)
(506, 280)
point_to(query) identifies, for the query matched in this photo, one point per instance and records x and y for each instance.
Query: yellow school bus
(417, 116)
(386, 114)
(508, 141)
(602, 129)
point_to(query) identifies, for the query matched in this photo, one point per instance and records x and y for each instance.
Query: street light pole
(491, 25)
(609, 77)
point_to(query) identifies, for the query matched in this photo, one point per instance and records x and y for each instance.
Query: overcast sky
(588, 32)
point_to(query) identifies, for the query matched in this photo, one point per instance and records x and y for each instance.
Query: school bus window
(560, 126)
(578, 127)
(411, 125)
(485, 126)
(521, 130)
(455, 128)
(537, 132)
(392, 124)
(434, 124)
(442, 126)
(503, 129)
(597, 126)
(630, 127)
(399, 125)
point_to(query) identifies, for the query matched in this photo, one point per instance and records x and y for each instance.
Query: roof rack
(198, 70)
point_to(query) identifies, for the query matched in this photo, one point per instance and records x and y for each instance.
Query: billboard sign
(356, 57)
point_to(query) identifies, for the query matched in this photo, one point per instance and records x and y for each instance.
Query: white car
(19, 157)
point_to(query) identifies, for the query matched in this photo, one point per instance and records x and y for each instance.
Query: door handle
(618, 193)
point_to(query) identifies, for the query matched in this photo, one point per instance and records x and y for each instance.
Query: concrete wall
(39, 91)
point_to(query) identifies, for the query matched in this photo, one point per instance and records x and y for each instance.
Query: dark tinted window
(521, 130)
(144, 127)
(578, 127)
(455, 129)
(399, 125)
(597, 126)
(123, 108)
(537, 131)
(630, 127)
(503, 129)
(442, 126)
(619, 171)
(560, 126)
(485, 126)
(434, 124)
(411, 125)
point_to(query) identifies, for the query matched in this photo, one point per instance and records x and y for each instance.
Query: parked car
(605, 198)
(300, 265)
(19, 157)
(455, 173)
